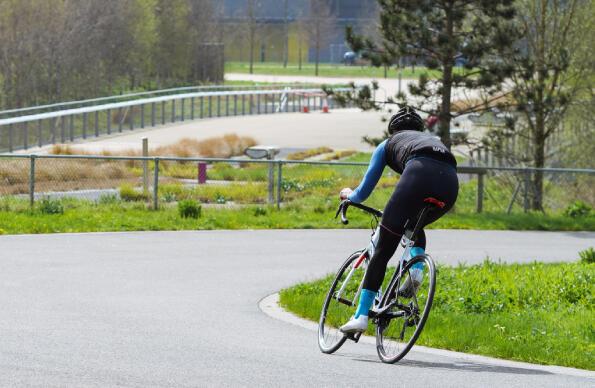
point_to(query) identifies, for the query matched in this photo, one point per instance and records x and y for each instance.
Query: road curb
(270, 306)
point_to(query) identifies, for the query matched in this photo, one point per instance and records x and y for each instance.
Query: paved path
(162, 309)
(340, 129)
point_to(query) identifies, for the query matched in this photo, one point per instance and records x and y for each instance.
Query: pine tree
(439, 33)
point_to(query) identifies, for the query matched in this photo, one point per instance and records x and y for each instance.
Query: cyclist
(427, 169)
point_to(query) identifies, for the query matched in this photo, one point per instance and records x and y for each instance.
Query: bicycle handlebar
(346, 203)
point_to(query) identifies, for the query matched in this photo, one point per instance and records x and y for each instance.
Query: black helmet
(405, 119)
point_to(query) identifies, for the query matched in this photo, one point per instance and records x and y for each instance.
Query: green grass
(540, 313)
(325, 70)
(302, 213)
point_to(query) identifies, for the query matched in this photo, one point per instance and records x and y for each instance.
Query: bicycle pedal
(354, 336)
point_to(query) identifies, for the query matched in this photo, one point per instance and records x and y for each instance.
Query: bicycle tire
(330, 339)
(385, 332)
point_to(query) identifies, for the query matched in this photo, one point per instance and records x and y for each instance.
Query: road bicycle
(398, 318)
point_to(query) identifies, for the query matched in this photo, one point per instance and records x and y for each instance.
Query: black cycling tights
(423, 177)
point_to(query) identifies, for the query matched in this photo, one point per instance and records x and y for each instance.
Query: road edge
(269, 305)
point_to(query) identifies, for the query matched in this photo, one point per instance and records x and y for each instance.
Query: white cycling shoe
(412, 283)
(355, 325)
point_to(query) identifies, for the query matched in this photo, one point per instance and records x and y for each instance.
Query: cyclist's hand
(345, 193)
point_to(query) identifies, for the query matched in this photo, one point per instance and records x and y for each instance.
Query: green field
(325, 70)
(539, 313)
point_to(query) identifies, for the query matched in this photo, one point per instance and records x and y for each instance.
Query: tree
(440, 33)
(552, 69)
(321, 23)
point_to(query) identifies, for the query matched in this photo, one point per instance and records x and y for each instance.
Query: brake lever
(343, 209)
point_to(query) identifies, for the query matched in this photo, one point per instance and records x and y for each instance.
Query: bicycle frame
(406, 242)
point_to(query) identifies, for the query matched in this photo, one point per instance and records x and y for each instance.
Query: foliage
(552, 71)
(578, 209)
(189, 209)
(301, 155)
(511, 317)
(442, 34)
(99, 48)
(587, 256)
(129, 193)
(50, 206)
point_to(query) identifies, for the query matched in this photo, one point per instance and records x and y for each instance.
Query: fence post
(271, 181)
(39, 133)
(25, 135)
(226, 105)
(142, 116)
(71, 127)
(85, 124)
(191, 108)
(109, 121)
(96, 123)
(173, 111)
(182, 112)
(480, 189)
(279, 183)
(526, 191)
(32, 181)
(10, 140)
(235, 104)
(156, 185)
(145, 165)
(153, 109)
(63, 129)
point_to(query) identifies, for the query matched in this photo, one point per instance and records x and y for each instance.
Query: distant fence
(39, 129)
(239, 182)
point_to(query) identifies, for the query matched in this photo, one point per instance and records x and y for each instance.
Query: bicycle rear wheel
(339, 304)
(399, 327)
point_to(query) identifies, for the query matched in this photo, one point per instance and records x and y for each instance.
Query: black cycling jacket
(404, 145)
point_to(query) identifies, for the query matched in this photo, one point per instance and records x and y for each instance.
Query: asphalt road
(165, 309)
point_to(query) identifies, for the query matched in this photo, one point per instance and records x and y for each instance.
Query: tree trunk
(444, 116)
(539, 158)
(317, 54)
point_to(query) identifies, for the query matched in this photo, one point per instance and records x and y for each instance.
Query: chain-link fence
(230, 183)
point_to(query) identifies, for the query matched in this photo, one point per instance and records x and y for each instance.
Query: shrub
(51, 206)
(260, 211)
(578, 209)
(301, 155)
(108, 199)
(189, 209)
(587, 256)
(2, 231)
(128, 193)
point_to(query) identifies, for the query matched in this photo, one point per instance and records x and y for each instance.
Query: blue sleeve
(375, 169)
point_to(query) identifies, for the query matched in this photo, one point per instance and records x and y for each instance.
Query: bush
(51, 206)
(2, 231)
(189, 209)
(108, 199)
(578, 209)
(260, 211)
(128, 193)
(587, 256)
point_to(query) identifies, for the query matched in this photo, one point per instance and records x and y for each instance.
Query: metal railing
(274, 182)
(23, 132)
(133, 96)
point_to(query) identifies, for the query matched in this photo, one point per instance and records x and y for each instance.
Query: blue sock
(416, 251)
(365, 302)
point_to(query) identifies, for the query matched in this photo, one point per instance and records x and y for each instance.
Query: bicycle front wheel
(339, 304)
(400, 325)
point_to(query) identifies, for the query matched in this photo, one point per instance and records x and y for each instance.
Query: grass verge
(112, 214)
(326, 70)
(539, 313)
